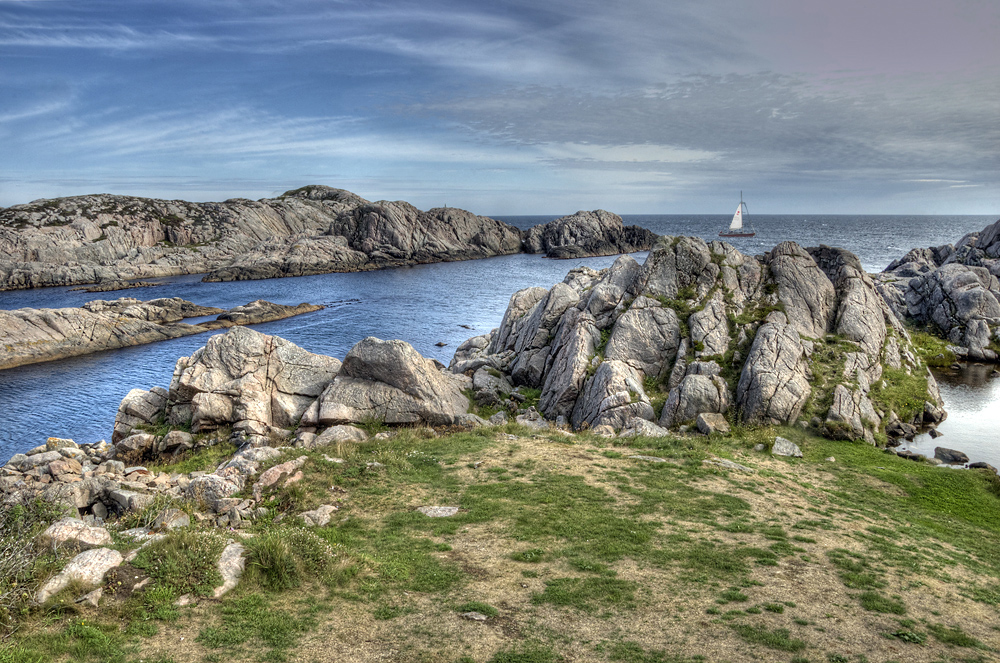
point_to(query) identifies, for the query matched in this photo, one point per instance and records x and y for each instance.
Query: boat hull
(729, 234)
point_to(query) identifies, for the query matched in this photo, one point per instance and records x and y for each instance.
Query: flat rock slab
(783, 447)
(88, 568)
(73, 531)
(950, 456)
(318, 517)
(231, 565)
(727, 464)
(651, 459)
(438, 511)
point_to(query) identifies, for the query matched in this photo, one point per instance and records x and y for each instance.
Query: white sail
(737, 222)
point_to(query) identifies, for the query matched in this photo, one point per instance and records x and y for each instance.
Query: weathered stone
(783, 447)
(694, 395)
(87, 568)
(773, 385)
(231, 565)
(638, 427)
(438, 511)
(950, 456)
(646, 337)
(339, 435)
(712, 422)
(171, 519)
(389, 381)
(74, 532)
(613, 396)
(275, 474)
(596, 233)
(318, 517)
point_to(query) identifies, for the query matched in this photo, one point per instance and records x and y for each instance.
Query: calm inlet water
(424, 305)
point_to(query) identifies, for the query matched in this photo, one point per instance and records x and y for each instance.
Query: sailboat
(736, 225)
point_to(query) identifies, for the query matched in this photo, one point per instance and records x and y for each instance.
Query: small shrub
(185, 561)
(282, 558)
(952, 636)
(20, 522)
(877, 603)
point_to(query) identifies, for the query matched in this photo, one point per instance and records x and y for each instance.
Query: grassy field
(573, 551)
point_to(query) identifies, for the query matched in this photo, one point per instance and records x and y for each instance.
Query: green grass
(586, 594)
(205, 459)
(876, 602)
(250, 620)
(779, 639)
(478, 606)
(953, 635)
(184, 562)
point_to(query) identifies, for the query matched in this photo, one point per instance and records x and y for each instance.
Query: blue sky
(511, 106)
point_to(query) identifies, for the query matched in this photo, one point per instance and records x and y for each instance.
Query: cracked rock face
(704, 329)
(247, 379)
(773, 385)
(597, 233)
(390, 382)
(954, 288)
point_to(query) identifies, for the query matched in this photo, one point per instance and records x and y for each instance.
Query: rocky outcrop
(704, 330)
(30, 336)
(312, 230)
(374, 236)
(242, 379)
(260, 387)
(953, 290)
(388, 381)
(596, 233)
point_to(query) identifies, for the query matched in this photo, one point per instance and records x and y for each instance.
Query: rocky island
(953, 290)
(29, 336)
(311, 230)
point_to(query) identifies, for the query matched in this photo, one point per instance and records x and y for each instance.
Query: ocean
(425, 305)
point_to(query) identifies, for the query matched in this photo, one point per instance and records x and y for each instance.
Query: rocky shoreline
(312, 230)
(29, 336)
(697, 339)
(953, 290)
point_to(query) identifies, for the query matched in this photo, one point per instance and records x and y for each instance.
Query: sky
(511, 106)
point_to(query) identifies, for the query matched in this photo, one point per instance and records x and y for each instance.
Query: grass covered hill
(567, 548)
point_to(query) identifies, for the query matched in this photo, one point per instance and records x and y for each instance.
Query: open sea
(445, 302)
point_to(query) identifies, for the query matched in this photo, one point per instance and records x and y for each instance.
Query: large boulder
(389, 381)
(773, 385)
(248, 380)
(694, 395)
(645, 337)
(808, 296)
(612, 397)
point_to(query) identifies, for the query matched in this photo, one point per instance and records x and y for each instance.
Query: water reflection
(971, 395)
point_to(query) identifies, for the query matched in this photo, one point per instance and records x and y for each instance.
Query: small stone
(185, 599)
(651, 459)
(727, 464)
(438, 511)
(603, 430)
(783, 447)
(171, 519)
(332, 460)
(231, 565)
(474, 616)
(712, 422)
(831, 459)
(950, 456)
(499, 419)
(934, 433)
(91, 598)
(759, 447)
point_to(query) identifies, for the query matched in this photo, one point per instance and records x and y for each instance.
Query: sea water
(426, 305)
